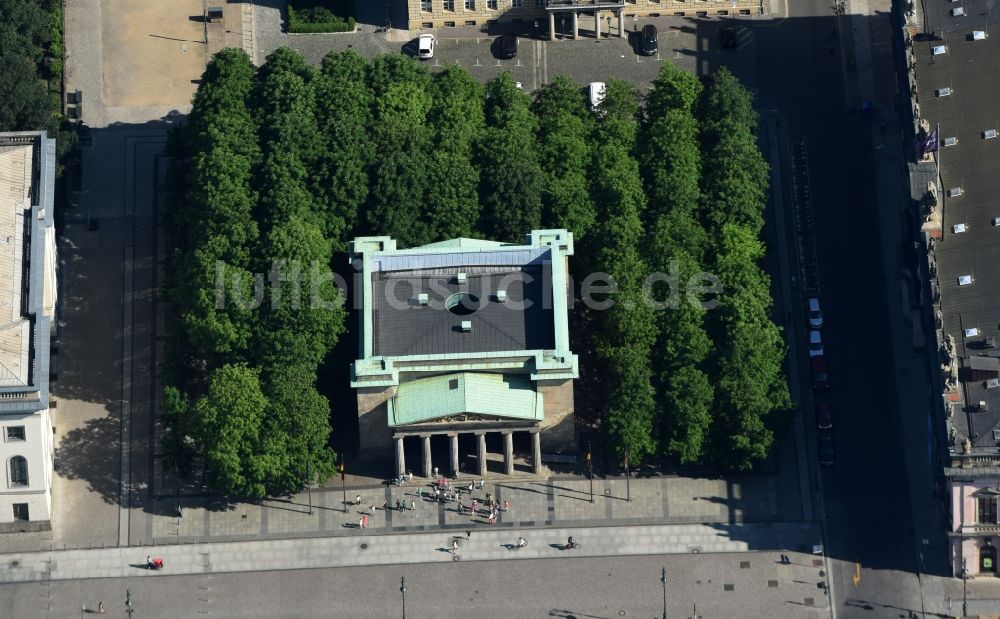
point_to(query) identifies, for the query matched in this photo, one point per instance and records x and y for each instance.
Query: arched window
(18, 471)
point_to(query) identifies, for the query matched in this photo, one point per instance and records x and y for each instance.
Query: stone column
(576, 26)
(597, 25)
(481, 439)
(400, 457)
(536, 452)
(508, 452)
(552, 26)
(453, 443)
(621, 23)
(427, 454)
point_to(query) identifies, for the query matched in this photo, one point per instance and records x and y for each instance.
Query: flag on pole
(931, 142)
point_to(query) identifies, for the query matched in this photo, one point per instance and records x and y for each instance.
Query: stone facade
(430, 14)
(373, 423)
(558, 427)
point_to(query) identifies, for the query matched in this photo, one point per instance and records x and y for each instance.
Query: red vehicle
(824, 419)
(820, 376)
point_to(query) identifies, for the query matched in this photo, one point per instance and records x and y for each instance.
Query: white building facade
(27, 311)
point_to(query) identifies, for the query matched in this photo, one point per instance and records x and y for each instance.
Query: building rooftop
(16, 174)
(970, 242)
(938, 16)
(463, 304)
(456, 395)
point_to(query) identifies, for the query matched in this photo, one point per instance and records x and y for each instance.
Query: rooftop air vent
(978, 35)
(952, 141)
(954, 192)
(957, 11)
(996, 221)
(944, 92)
(461, 278)
(422, 298)
(964, 280)
(466, 326)
(501, 296)
(972, 332)
(989, 134)
(992, 383)
(958, 228)
(939, 49)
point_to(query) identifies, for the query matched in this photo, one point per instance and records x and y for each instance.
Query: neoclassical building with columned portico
(465, 363)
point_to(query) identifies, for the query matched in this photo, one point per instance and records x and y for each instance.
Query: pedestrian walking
(461, 509)
(506, 505)
(100, 608)
(468, 534)
(475, 505)
(361, 522)
(385, 504)
(409, 475)
(470, 487)
(435, 471)
(454, 546)
(364, 522)
(371, 509)
(489, 519)
(482, 484)
(357, 500)
(413, 504)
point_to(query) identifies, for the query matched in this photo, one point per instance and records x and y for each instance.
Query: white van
(815, 344)
(814, 313)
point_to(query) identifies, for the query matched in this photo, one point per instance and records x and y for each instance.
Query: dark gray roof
(403, 327)
(938, 18)
(972, 70)
(978, 362)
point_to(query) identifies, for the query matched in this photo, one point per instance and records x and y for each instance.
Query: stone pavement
(368, 549)
(541, 502)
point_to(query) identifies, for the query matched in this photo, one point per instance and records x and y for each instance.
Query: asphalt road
(568, 587)
(867, 496)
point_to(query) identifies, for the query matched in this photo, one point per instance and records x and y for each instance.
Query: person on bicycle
(521, 542)
(570, 543)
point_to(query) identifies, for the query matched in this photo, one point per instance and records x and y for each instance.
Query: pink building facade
(974, 530)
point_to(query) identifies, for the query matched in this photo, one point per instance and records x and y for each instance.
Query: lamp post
(309, 487)
(128, 603)
(628, 488)
(343, 485)
(663, 579)
(965, 596)
(562, 27)
(590, 471)
(402, 592)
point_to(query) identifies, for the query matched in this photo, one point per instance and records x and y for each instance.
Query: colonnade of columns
(508, 453)
(576, 24)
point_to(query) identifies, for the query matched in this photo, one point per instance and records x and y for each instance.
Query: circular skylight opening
(462, 303)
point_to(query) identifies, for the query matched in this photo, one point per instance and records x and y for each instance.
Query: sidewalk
(541, 502)
(367, 549)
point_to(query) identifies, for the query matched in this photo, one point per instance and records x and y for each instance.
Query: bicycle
(518, 546)
(573, 546)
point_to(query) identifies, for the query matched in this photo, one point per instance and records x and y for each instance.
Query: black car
(506, 46)
(648, 40)
(825, 448)
(730, 37)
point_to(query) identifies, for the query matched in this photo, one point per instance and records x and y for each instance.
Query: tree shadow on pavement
(90, 453)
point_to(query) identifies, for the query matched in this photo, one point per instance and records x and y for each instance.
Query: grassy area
(321, 16)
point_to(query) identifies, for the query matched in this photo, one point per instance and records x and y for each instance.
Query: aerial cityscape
(499, 308)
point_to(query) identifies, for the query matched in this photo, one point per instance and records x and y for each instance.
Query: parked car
(506, 46)
(814, 313)
(824, 419)
(425, 46)
(648, 40)
(729, 37)
(825, 448)
(815, 343)
(595, 93)
(820, 377)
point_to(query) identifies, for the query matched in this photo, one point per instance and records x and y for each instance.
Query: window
(20, 511)
(449, 5)
(15, 433)
(539, 3)
(425, 5)
(491, 4)
(986, 510)
(18, 471)
(470, 5)
(516, 4)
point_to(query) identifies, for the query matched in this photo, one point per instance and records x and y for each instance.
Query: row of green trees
(31, 70)
(286, 163)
